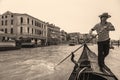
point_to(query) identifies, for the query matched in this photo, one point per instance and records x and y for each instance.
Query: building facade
(53, 34)
(75, 36)
(87, 38)
(63, 36)
(16, 25)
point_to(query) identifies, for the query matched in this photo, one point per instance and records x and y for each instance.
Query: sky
(69, 15)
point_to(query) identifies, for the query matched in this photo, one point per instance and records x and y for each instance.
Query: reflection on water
(38, 63)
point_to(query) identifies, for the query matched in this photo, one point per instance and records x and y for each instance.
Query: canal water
(38, 63)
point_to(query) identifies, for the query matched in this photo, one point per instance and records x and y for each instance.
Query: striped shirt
(103, 33)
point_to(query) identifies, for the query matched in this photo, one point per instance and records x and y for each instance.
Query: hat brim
(108, 16)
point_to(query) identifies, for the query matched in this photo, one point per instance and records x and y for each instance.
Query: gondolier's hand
(72, 54)
(90, 34)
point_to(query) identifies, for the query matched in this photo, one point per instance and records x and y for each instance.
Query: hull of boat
(6, 46)
(72, 44)
(9, 48)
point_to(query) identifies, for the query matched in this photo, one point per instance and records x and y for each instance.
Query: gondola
(71, 44)
(8, 48)
(86, 68)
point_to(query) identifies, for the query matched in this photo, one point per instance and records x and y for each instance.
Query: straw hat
(105, 15)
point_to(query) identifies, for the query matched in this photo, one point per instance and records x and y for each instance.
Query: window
(28, 29)
(35, 31)
(28, 20)
(1, 29)
(11, 30)
(21, 20)
(42, 25)
(2, 23)
(5, 22)
(11, 22)
(38, 24)
(32, 30)
(2, 17)
(5, 30)
(40, 33)
(6, 16)
(11, 15)
(21, 30)
(32, 22)
(35, 23)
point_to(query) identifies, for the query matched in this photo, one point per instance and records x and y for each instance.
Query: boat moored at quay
(10, 45)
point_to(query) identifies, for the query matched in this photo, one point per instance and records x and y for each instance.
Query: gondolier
(87, 67)
(103, 38)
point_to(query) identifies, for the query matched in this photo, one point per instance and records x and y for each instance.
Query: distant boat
(28, 43)
(88, 68)
(6, 46)
(72, 43)
(7, 43)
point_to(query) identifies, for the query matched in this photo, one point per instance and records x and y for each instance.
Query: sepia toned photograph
(59, 40)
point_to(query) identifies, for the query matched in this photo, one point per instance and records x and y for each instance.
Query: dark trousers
(103, 51)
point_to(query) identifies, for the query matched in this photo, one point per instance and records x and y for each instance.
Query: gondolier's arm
(72, 59)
